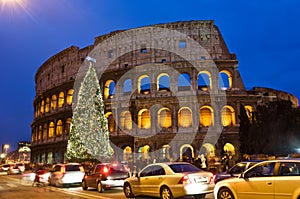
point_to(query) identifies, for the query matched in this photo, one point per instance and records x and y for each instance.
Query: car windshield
(180, 168)
(117, 167)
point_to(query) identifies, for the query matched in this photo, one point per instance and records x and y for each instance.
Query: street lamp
(6, 147)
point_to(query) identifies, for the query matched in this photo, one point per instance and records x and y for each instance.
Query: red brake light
(105, 170)
(184, 180)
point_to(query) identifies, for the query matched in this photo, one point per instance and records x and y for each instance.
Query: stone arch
(225, 80)
(126, 120)
(144, 119)
(163, 82)
(144, 84)
(249, 111)
(127, 88)
(206, 116)
(228, 116)
(111, 122)
(164, 118)
(190, 147)
(229, 149)
(184, 82)
(207, 81)
(70, 96)
(109, 89)
(208, 149)
(127, 153)
(185, 117)
(61, 99)
(59, 128)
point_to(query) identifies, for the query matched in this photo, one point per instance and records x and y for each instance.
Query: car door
(287, 181)
(156, 178)
(257, 182)
(93, 176)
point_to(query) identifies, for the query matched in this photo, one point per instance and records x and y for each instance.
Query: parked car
(235, 170)
(268, 179)
(17, 168)
(170, 180)
(105, 176)
(66, 174)
(5, 167)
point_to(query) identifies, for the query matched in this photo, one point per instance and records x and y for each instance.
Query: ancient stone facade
(171, 91)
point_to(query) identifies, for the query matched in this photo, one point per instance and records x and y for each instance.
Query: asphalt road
(20, 187)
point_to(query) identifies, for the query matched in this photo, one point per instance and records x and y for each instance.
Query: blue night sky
(264, 34)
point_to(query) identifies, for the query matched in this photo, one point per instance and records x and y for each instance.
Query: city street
(20, 187)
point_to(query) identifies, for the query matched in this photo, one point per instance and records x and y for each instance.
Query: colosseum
(170, 91)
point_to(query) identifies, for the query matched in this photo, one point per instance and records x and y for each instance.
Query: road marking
(12, 185)
(84, 195)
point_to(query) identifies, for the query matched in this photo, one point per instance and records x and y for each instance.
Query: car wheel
(165, 193)
(127, 190)
(225, 193)
(199, 196)
(83, 185)
(100, 187)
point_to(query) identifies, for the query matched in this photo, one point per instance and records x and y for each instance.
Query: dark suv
(104, 176)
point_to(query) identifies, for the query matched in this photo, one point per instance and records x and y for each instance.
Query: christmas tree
(89, 135)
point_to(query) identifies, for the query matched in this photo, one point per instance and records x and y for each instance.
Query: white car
(275, 179)
(66, 174)
(170, 180)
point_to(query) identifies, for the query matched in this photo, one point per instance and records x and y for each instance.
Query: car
(68, 174)
(17, 168)
(268, 179)
(5, 167)
(105, 176)
(235, 170)
(170, 180)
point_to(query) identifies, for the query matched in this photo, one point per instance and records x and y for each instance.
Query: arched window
(204, 81)
(127, 153)
(126, 121)
(163, 82)
(144, 119)
(51, 130)
(185, 117)
(111, 122)
(184, 82)
(68, 126)
(47, 107)
(53, 102)
(228, 116)
(225, 80)
(127, 86)
(45, 131)
(70, 96)
(249, 111)
(59, 128)
(42, 106)
(206, 116)
(61, 99)
(109, 89)
(144, 84)
(40, 133)
(164, 118)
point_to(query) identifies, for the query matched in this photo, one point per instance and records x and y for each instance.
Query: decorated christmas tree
(89, 135)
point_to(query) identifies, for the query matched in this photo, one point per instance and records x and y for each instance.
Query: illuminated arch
(68, 125)
(111, 122)
(61, 99)
(249, 111)
(164, 118)
(209, 149)
(229, 148)
(45, 131)
(53, 102)
(40, 132)
(127, 153)
(144, 119)
(163, 82)
(144, 152)
(47, 107)
(42, 106)
(206, 116)
(225, 80)
(185, 118)
(228, 116)
(59, 128)
(51, 130)
(186, 146)
(109, 89)
(70, 96)
(144, 84)
(126, 120)
(204, 81)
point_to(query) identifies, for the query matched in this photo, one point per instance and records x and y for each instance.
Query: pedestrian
(203, 162)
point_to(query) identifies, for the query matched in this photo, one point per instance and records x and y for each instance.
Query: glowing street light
(5, 147)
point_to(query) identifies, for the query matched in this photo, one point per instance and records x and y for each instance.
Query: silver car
(276, 179)
(169, 180)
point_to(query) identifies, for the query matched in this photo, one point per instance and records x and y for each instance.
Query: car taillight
(105, 170)
(184, 180)
(81, 168)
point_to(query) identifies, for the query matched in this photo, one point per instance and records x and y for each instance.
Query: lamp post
(5, 148)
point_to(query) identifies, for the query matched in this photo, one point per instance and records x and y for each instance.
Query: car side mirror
(242, 175)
